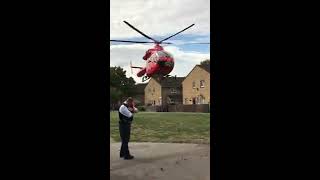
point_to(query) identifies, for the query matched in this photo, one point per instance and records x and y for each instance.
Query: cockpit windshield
(163, 54)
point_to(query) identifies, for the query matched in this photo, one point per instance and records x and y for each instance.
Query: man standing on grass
(126, 111)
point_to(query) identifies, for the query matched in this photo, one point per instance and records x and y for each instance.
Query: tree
(205, 62)
(115, 97)
(120, 86)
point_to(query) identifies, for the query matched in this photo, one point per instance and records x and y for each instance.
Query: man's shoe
(128, 157)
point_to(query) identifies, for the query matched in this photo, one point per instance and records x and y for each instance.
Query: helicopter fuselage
(158, 62)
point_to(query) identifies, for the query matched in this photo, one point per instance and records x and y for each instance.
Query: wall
(177, 97)
(205, 108)
(152, 92)
(189, 92)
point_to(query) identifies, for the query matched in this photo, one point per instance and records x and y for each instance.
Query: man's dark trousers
(125, 130)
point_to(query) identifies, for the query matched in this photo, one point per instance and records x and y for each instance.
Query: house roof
(171, 81)
(205, 67)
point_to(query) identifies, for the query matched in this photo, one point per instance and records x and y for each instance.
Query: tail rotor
(131, 67)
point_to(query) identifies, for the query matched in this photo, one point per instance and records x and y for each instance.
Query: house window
(153, 90)
(173, 91)
(193, 84)
(201, 99)
(185, 100)
(193, 100)
(201, 83)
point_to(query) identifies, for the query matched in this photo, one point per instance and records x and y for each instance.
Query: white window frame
(201, 99)
(201, 83)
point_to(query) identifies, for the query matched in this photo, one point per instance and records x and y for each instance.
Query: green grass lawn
(177, 127)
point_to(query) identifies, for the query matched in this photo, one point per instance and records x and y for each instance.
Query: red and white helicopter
(159, 63)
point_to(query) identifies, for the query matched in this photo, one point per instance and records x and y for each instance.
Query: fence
(204, 108)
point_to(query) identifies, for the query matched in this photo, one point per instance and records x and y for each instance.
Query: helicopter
(159, 63)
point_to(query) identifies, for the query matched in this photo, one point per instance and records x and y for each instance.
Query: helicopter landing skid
(167, 76)
(145, 78)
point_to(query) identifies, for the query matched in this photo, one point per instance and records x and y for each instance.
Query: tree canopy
(120, 86)
(205, 62)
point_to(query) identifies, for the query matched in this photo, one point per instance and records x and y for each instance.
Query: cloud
(159, 18)
(121, 55)
(162, 18)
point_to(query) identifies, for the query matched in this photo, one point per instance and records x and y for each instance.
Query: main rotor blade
(142, 42)
(177, 33)
(191, 43)
(140, 32)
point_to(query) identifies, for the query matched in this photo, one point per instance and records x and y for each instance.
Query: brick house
(196, 86)
(164, 92)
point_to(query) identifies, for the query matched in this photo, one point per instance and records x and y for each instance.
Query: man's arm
(124, 110)
(133, 109)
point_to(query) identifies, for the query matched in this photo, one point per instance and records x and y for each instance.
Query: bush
(141, 108)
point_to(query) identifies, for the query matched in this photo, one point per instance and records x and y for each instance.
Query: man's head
(130, 101)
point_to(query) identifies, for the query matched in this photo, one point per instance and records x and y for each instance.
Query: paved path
(161, 161)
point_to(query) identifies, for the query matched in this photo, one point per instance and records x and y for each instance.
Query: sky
(160, 19)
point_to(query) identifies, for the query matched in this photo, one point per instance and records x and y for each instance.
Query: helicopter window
(152, 58)
(163, 54)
